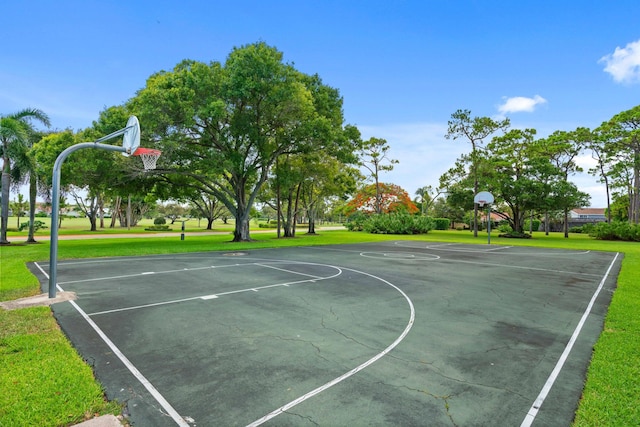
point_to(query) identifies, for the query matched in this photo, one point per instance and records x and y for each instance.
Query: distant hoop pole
(481, 199)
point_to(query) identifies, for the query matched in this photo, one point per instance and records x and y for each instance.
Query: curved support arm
(55, 202)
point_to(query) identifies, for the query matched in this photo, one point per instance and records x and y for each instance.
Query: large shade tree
(474, 130)
(623, 146)
(15, 131)
(563, 149)
(224, 125)
(516, 165)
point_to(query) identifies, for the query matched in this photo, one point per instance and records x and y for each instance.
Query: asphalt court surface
(393, 333)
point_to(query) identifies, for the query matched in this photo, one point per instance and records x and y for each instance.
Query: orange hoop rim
(142, 150)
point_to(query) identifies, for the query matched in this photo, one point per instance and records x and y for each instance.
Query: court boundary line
(531, 414)
(127, 363)
(546, 388)
(485, 249)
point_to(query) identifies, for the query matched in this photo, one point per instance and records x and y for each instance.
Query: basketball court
(393, 333)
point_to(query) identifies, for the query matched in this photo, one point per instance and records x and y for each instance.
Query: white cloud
(518, 104)
(624, 63)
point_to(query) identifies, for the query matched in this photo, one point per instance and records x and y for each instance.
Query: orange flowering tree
(392, 199)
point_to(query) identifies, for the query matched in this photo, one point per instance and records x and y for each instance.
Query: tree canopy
(224, 125)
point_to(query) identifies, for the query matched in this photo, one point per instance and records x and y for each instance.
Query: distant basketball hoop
(481, 199)
(149, 157)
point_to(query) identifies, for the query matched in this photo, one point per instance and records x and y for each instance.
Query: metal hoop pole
(55, 203)
(488, 224)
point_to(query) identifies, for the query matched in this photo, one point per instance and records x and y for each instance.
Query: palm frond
(29, 114)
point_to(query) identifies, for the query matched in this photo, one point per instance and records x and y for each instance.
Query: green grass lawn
(71, 226)
(44, 382)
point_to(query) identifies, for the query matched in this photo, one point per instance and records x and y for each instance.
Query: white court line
(355, 370)
(497, 248)
(489, 250)
(435, 246)
(130, 366)
(125, 276)
(477, 262)
(535, 407)
(288, 271)
(213, 296)
(519, 267)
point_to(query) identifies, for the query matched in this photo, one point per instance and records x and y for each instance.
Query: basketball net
(149, 157)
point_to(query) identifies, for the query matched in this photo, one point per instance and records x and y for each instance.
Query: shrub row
(614, 231)
(528, 223)
(442, 223)
(395, 223)
(37, 225)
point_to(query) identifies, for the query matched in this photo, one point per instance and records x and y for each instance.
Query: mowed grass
(611, 394)
(75, 226)
(43, 381)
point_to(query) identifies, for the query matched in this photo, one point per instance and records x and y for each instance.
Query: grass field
(35, 355)
(71, 226)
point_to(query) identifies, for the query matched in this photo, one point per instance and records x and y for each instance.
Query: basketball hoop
(149, 157)
(483, 198)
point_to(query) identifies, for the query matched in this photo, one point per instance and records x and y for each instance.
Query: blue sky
(402, 67)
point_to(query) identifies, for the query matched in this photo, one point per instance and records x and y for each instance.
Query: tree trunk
(129, 212)
(475, 189)
(606, 187)
(94, 222)
(33, 193)
(311, 212)
(210, 223)
(101, 210)
(635, 201)
(115, 211)
(6, 181)
(566, 223)
(531, 223)
(546, 223)
(241, 233)
(241, 214)
(378, 197)
(295, 210)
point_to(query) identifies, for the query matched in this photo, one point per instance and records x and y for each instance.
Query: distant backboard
(483, 198)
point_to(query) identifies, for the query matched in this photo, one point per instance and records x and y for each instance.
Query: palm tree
(15, 130)
(24, 171)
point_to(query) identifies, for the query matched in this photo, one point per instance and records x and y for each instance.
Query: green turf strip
(43, 380)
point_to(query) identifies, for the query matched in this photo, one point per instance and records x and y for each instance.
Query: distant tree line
(255, 134)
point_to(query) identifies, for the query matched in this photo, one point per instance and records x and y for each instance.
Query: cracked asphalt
(396, 333)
